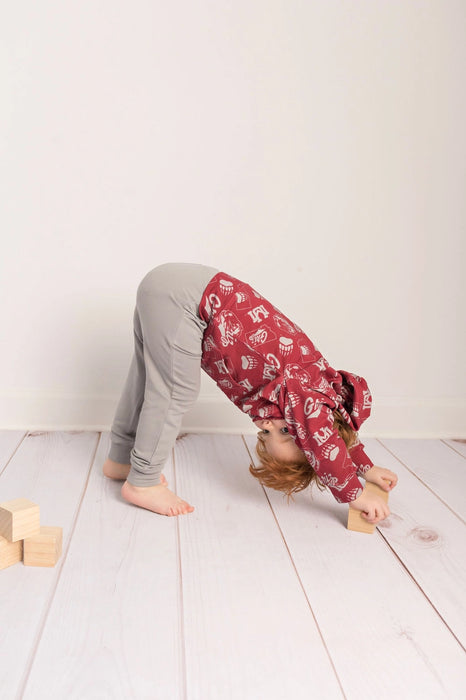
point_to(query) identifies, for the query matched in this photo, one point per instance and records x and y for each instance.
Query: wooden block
(19, 519)
(10, 552)
(43, 549)
(355, 520)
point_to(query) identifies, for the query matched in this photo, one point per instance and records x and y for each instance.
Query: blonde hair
(291, 477)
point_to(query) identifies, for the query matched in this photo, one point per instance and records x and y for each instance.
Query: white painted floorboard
(247, 598)
(50, 469)
(437, 466)
(249, 631)
(113, 630)
(367, 606)
(428, 537)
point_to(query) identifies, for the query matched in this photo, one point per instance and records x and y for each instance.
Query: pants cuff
(135, 478)
(120, 453)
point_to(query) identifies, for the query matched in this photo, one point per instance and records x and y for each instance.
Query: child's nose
(264, 423)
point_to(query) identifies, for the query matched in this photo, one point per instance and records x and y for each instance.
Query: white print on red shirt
(283, 324)
(322, 364)
(367, 403)
(261, 336)
(258, 314)
(323, 385)
(285, 345)
(226, 286)
(312, 459)
(273, 360)
(312, 407)
(265, 412)
(221, 367)
(229, 326)
(225, 384)
(297, 372)
(269, 372)
(330, 452)
(301, 431)
(242, 301)
(276, 371)
(322, 435)
(247, 384)
(294, 399)
(208, 344)
(249, 362)
(214, 303)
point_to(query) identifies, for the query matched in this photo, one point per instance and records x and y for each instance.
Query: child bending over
(189, 317)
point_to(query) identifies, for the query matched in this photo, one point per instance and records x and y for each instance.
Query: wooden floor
(247, 598)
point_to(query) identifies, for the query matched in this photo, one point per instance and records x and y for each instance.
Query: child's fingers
(390, 478)
(386, 484)
(369, 515)
(387, 481)
(384, 478)
(376, 514)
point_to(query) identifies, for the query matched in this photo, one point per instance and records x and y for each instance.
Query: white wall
(315, 149)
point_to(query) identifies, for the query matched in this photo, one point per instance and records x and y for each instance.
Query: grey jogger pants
(164, 376)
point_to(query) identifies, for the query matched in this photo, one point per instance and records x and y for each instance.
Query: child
(190, 316)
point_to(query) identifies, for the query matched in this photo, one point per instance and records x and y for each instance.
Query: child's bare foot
(115, 470)
(158, 499)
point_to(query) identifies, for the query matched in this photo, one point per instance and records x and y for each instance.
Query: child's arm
(311, 422)
(372, 507)
(361, 461)
(384, 478)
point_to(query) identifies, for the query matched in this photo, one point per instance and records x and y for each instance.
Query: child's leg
(125, 422)
(171, 334)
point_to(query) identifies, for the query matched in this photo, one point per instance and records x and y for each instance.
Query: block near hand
(19, 519)
(355, 520)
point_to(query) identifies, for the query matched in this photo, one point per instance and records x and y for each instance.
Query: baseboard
(391, 417)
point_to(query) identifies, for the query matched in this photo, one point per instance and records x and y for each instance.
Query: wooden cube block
(43, 549)
(10, 552)
(355, 520)
(19, 519)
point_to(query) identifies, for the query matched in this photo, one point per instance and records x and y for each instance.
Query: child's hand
(384, 478)
(372, 507)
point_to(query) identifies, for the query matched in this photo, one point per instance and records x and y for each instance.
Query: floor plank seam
(451, 447)
(429, 488)
(327, 651)
(48, 604)
(21, 440)
(418, 585)
(184, 685)
(62, 639)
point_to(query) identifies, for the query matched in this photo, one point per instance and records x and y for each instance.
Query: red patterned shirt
(269, 368)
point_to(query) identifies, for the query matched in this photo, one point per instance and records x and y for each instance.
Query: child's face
(278, 442)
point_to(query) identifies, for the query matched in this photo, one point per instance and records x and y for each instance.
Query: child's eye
(284, 430)
(265, 432)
